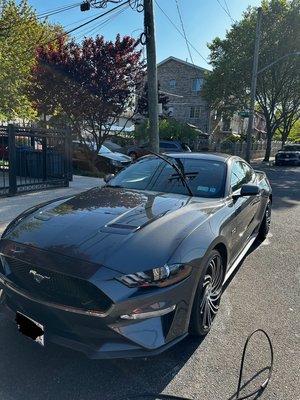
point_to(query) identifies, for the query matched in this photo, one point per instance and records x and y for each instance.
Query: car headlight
(160, 276)
(116, 163)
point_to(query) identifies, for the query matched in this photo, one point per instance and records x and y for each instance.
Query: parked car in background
(290, 154)
(165, 146)
(107, 160)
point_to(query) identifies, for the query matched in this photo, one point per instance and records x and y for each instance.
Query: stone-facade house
(183, 82)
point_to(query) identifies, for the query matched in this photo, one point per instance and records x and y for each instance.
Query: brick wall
(183, 73)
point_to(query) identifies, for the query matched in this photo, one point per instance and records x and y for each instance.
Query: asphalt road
(264, 293)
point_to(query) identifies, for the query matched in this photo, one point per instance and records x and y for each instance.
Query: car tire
(133, 155)
(208, 295)
(266, 222)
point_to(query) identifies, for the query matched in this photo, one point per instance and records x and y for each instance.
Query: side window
(248, 172)
(168, 146)
(241, 173)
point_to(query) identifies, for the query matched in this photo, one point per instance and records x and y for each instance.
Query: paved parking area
(264, 293)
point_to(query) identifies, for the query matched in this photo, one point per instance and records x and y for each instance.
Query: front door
(246, 207)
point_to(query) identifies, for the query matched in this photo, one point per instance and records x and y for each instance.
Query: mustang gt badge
(38, 277)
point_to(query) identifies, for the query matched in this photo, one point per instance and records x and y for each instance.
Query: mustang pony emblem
(38, 277)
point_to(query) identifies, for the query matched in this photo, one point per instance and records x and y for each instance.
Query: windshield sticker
(203, 188)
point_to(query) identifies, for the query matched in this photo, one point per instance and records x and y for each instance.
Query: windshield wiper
(177, 169)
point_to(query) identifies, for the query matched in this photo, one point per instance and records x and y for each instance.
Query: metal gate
(33, 159)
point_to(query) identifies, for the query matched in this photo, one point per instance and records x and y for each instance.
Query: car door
(246, 207)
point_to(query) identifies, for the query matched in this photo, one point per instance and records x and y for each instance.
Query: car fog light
(141, 314)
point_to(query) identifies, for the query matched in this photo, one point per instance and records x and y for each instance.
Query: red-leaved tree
(90, 84)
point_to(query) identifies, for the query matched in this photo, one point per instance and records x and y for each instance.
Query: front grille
(57, 287)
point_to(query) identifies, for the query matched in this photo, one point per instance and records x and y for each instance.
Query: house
(239, 125)
(183, 82)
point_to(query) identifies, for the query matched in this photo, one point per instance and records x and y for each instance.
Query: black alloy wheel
(208, 295)
(266, 222)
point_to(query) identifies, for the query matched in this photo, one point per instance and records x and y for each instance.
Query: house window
(172, 83)
(171, 111)
(195, 112)
(197, 84)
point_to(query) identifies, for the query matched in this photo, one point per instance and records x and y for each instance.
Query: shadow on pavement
(31, 372)
(285, 183)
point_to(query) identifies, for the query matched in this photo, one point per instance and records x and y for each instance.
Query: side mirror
(108, 177)
(249, 190)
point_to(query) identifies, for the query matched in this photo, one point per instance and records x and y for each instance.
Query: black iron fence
(33, 159)
(258, 148)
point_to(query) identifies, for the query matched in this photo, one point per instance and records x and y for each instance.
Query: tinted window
(168, 146)
(292, 147)
(241, 173)
(206, 178)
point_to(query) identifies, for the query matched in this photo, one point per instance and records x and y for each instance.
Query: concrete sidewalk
(10, 207)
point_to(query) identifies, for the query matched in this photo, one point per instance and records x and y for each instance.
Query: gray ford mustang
(131, 268)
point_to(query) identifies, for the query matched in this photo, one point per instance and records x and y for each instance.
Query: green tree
(227, 88)
(89, 85)
(169, 129)
(20, 34)
(291, 112)
(294, 134)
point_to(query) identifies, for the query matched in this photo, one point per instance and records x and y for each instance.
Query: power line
(57, 11)
(101, 25)
(230, 15)
(227, 12)
(77, 21)
(184, 32)
(179, 31)
(89, 22)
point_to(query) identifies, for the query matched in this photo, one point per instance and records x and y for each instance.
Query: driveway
(264, 293)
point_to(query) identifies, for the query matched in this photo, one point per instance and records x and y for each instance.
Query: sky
(203, 20)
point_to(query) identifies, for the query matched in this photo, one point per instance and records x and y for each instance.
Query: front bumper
(107, 336)
(287, 161)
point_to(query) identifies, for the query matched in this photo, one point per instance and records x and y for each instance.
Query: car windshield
(206, 178)
(295, 147)
(104, 150)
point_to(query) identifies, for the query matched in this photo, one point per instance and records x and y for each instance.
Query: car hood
(117, 228)
(116, 156)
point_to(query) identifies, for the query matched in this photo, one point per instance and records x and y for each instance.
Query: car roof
(201, 156)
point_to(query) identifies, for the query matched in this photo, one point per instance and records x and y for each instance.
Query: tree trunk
(269, 142)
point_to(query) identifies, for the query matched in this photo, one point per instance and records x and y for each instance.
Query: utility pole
(253, 85)
(151, 75)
